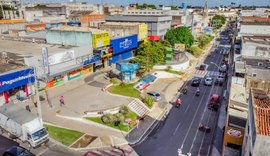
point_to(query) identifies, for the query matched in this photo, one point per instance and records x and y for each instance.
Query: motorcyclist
(198, 91)
(178, 102)
(185, 89)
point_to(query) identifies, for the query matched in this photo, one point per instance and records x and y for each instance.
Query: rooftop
(261, 109)
(76, 29)
(257, 39)
(24, 49)
(255, 22)
(255, 19)
(120, 24)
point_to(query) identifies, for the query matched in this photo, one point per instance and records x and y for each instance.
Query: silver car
(154, 95)
(208, 81)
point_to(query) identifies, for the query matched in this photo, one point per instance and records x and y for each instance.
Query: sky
(165, 2)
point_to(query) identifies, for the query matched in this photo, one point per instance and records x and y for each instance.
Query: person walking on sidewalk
(62, 101)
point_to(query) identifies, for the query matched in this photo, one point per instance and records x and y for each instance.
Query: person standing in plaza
(62, 101)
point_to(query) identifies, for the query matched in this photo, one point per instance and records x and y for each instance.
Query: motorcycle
(204, 128)
(185, 91)
(178, 103)
(197, 93)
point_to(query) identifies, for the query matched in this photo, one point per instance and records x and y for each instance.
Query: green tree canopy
(218, 21)
(5, 7)
(146, 6)
(204, 39)
(148, 54)
(180, 35)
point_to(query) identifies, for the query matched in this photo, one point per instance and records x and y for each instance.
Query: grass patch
(121, 126)
(65, 136)
(125, 90)
(173, 71)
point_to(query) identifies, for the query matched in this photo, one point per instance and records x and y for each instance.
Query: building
(258, 12)
(83, 7)
(45, 13)
(157, 25)
(257, 136)
(55, 64)
(121, 29)
(92, 19)
(13, 3)
(113, 10)
(237, 112)
(67, 35)
(254, 26)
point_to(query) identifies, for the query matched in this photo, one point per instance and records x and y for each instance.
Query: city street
(178, 133)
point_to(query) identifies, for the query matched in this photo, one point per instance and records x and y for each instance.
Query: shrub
(195, 50)
(119, 117)
(114, 81)
(108, 118)
(124, 110)
(148, 101)
(122, 84)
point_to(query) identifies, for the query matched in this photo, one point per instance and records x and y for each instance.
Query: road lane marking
(176, 128)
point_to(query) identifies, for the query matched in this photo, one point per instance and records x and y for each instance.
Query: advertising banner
(61, 57)
(143, 32)
(124, 44)
(45, 60)
(92, 60)
(16, 79)
(101, 39)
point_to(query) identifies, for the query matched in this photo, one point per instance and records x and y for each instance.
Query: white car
(208, 81)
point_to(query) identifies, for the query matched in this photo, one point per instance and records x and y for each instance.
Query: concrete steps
(139, 107)
(109, 152)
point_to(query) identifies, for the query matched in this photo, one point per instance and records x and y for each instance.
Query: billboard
(101, 39)
(16, 78)
(45, 60)
(61, 57)
(123, 44)
(179, 46)
(143, 32)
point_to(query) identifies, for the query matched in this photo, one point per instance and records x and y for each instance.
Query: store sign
(45, 60)
(16, 79)
(92, 60)
(61, 57)
(124, 44)
(101, 39)
(143, 31)
(180, 47)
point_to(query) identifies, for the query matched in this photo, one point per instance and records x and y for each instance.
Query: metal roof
(17, 113)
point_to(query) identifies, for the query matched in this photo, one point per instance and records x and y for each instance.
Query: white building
(254, 28)
(71, 7)
(259, 12)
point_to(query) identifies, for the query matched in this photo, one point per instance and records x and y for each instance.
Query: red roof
(262, 113)
(259, 19)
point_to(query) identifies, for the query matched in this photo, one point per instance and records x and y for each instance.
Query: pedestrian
(62, 101)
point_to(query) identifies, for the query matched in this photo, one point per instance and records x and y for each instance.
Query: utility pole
(37, 94)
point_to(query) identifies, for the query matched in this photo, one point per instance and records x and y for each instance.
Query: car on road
(155, 95)
(208, 81)
(196, 81)
(17, 151)
(202, 67)
(221, 78)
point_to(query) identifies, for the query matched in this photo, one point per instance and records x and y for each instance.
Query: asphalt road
(178, 133)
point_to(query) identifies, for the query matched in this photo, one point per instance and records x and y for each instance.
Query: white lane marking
(216, 89)
(176, 128)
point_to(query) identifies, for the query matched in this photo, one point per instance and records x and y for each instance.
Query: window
(254, 74)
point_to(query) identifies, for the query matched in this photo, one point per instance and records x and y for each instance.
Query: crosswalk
(203, 73)
(109, 152)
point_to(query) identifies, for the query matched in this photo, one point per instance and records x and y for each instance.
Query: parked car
(155, 95)
(17, 151)
(196, 81)
(202, 67)
(208, 81)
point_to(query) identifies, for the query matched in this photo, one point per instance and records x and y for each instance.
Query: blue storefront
(17, 82)
(122, 48)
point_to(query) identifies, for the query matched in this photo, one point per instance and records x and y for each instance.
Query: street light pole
(37, 94)
(216, 65)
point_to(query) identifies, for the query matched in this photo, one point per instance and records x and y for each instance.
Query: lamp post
(216, 65)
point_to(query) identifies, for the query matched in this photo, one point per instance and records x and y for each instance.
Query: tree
(195, 50)
(180, 35)
(204, 39)
(148, 54)
(218, 21)
(165, 43)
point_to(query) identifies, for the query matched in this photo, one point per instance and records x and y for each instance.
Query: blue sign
(124, 44)
(92, 60)
(16, 79)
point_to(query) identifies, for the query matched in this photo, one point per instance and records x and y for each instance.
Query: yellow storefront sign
(101, 39)
(143, 32)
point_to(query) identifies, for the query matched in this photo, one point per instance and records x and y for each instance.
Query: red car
(214, 102)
